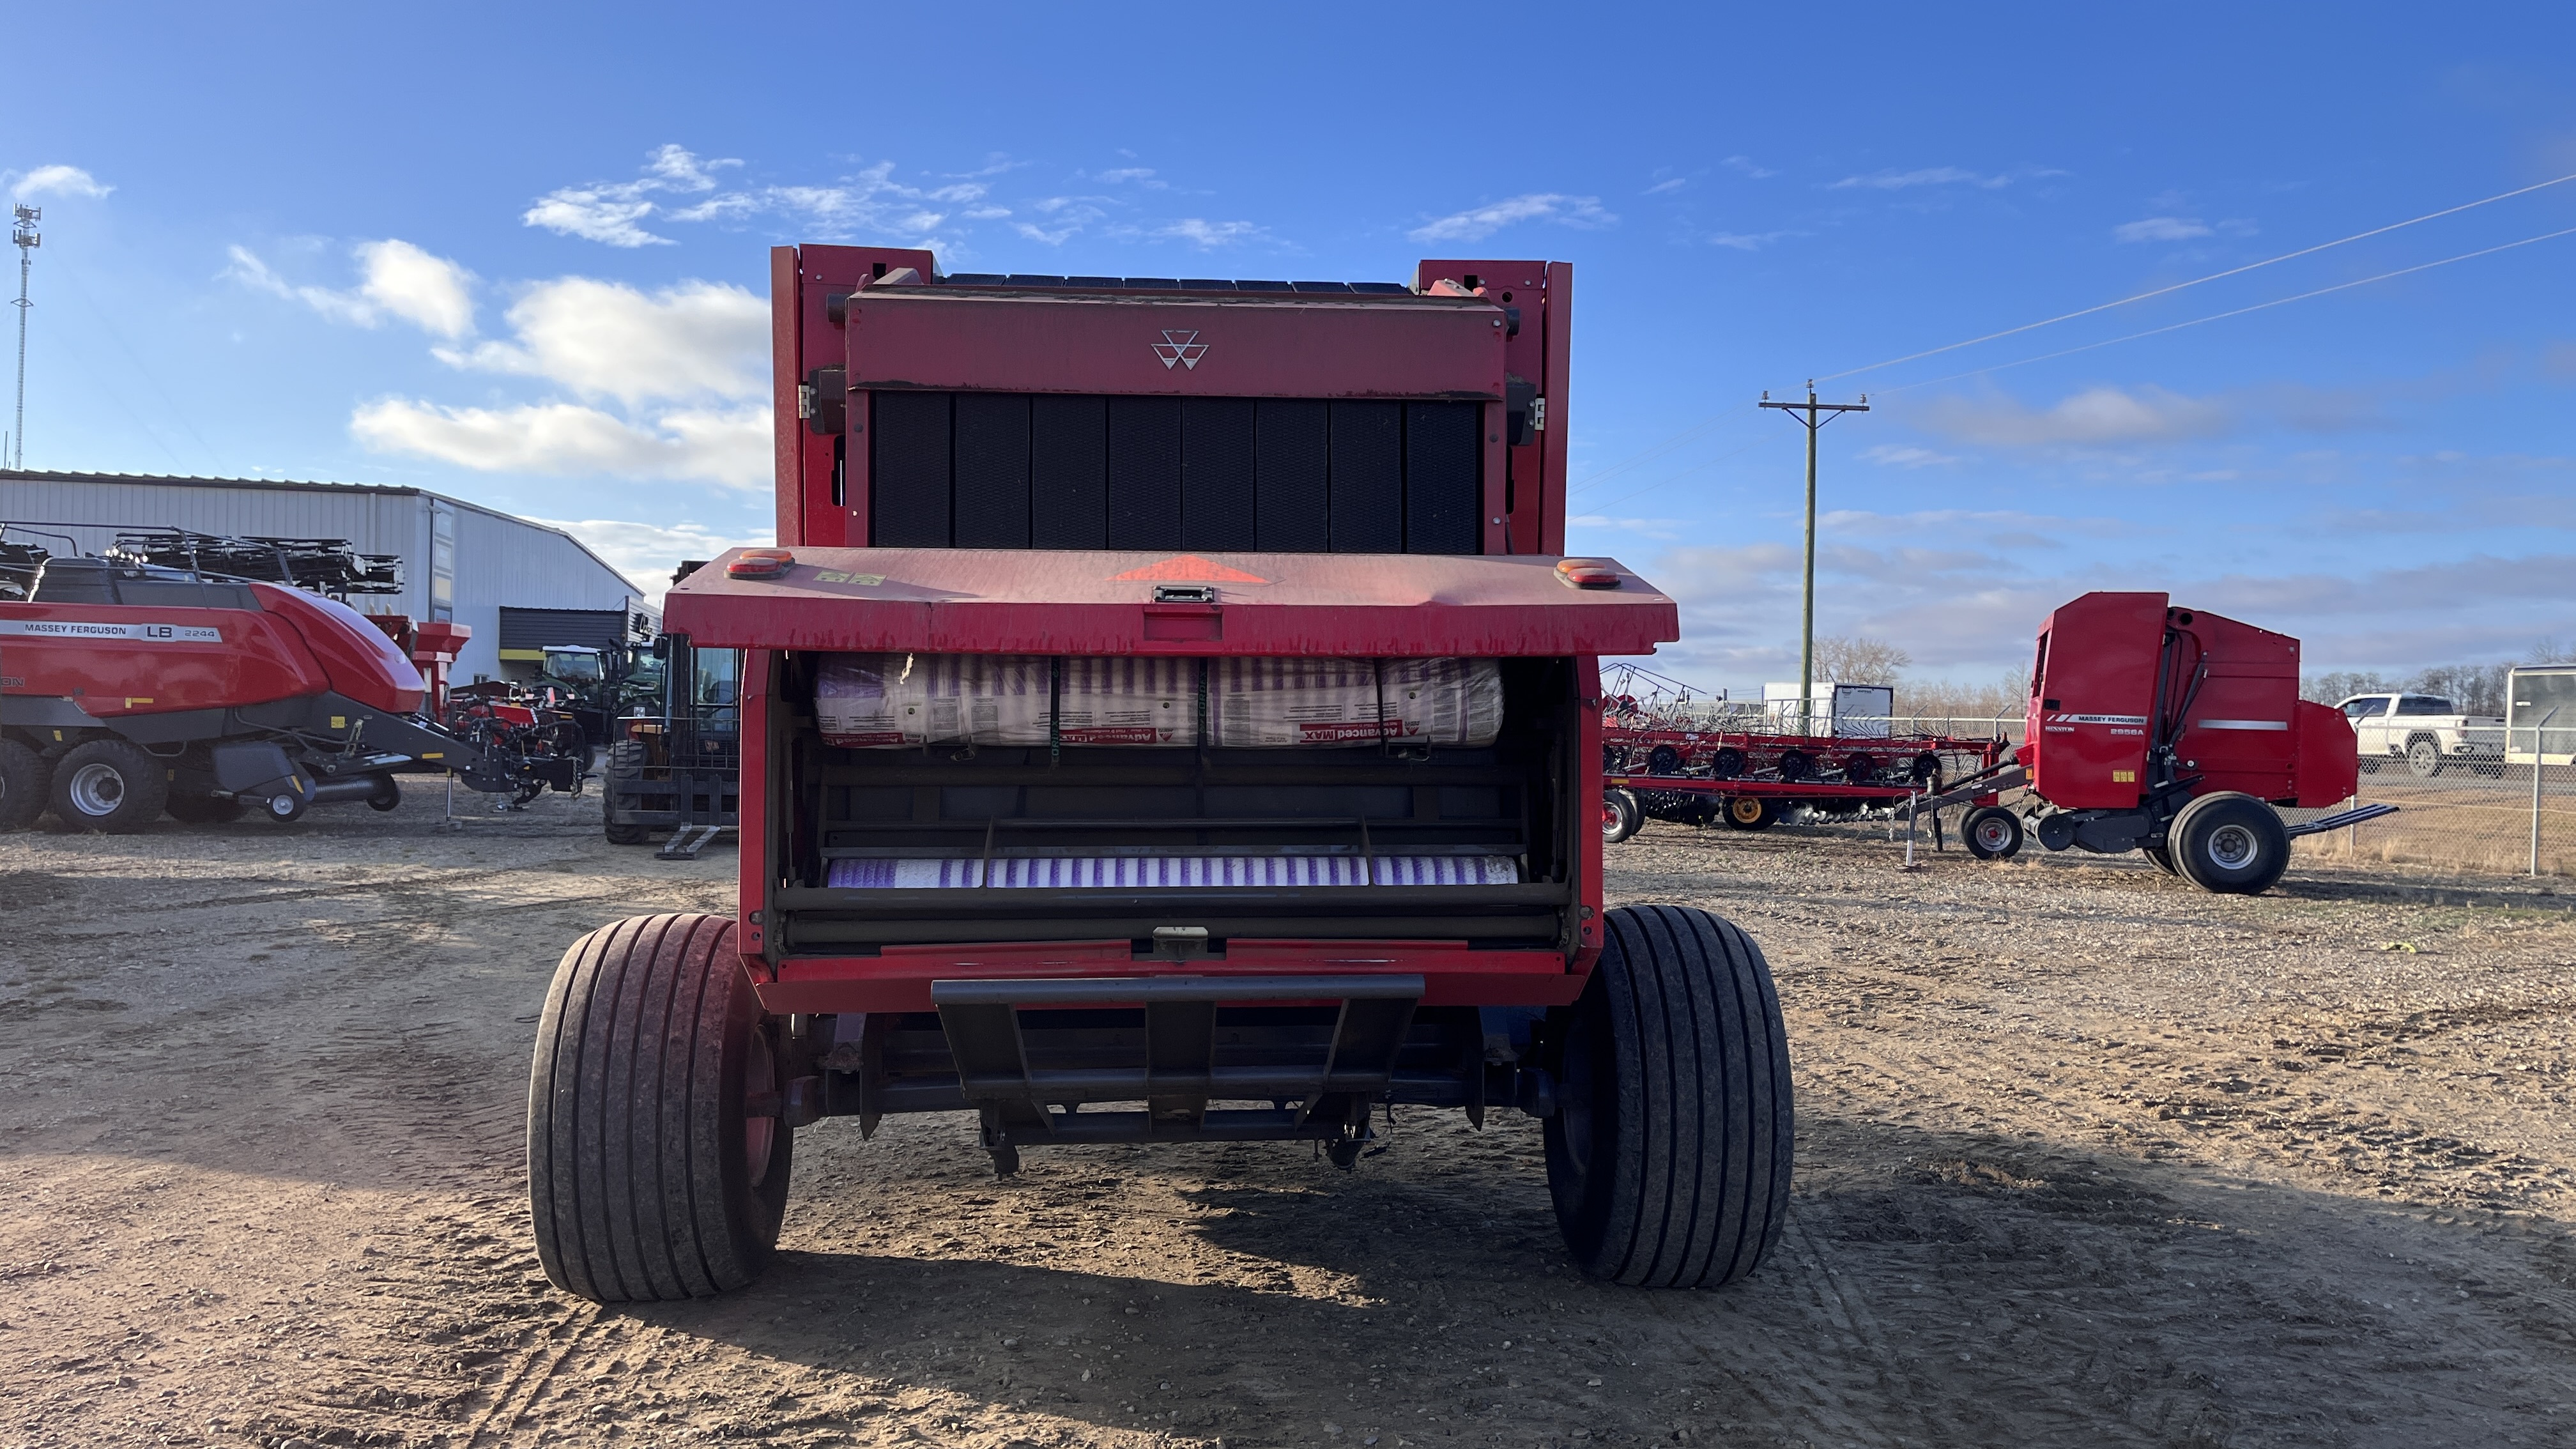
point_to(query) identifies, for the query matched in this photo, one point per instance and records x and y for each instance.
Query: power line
(1649, 455)
(2212, 277)
(2237, 312)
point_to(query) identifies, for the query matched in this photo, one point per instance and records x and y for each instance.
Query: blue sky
(520, 255)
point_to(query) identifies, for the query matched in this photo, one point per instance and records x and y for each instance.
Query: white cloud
(2095, 417)
(1896, 456)
(58, 180)
(648, 552)
(689, 341)
(1209, 233)
(1748, 241)
(1746, 165)
(1484, 221)
(397, 279)
(730, 446)
(1133, 175)
(613, 212)
(1926, 176)
(2161, 229)
(1674, 183)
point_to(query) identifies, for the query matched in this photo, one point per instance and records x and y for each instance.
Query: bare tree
(2547, 650)
(1859, 661)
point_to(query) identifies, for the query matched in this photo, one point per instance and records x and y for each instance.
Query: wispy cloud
(397, 280)
(1209, 233)
(1743, 241)
(2095, 417)
(2177, 228)
(55, 180)
(1895, 455)
(1746, 165)
(1480, 222)
(648, 553)
(1937, 176)
(1668, 184)
(676, 185)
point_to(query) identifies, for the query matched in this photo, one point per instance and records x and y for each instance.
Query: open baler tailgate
(1111, 603)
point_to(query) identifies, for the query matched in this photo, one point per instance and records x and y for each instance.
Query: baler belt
(1164, 872)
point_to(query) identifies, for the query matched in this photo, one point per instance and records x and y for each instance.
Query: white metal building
(514, 583)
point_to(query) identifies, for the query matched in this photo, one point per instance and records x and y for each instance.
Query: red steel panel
(899, 979)
(2094, 689)
(1543, 293)
(752, 820)
(125, 659)
(1313, 345)
(2242, 684)
(1038, 601)
(786, 368)
(355, 655)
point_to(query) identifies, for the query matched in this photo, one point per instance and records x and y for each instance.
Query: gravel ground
(2085, 1157)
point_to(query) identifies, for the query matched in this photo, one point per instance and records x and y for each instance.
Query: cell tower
(23, 234)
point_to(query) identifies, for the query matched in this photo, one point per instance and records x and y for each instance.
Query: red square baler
(1168, 718)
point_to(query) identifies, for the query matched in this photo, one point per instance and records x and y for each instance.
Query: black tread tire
(143, 785)
(1682, 1099)
(2191, 834)
(2423, 758)
(1663, 760)
(638, 1181)
(626, 760)
(2004, 821)
(1749, 812)
(24, 779)
(1726, 763)
(2161, 857)
(1621, 816)
(204, 809)
(388, 796)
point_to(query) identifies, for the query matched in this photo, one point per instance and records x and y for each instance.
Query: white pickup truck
(2425, 730)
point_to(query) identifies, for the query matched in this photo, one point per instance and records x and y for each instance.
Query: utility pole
(1817, 415)
(23, 235)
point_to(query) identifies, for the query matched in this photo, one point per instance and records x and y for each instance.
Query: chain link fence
(2473, 818)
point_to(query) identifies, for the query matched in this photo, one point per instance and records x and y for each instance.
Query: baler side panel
(2089, 712)
(2329, 760)
(762, 772)
(786, 370)
(158, 660)
(356, 657)
(2241, 732)
(1526, 483)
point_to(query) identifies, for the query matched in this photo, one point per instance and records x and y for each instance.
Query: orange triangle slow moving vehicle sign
(1187, 568)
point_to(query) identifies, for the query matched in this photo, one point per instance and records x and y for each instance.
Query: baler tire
(2161, 857)
(648, 1180)
(1991, 832)
(1749, 812)
(388, 796)
(623, 834)
(109, 786)
(2229, 843)
(204, 809)
(284, 808)
(1621, 816)
(23, 782)
(1669, 1154)
(2423, 758)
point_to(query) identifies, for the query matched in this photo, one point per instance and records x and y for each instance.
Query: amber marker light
(760, 563)
(1587, 573)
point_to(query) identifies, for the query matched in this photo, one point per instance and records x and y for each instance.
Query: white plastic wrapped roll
(1271, 703)
(889, 701)
(886, 701)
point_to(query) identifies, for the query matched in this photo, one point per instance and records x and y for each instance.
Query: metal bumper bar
(1180, 1073)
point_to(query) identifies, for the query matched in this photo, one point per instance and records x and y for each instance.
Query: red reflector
(1587, 573)
(760, 563)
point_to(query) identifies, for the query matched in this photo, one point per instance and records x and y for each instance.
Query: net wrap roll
(891, 701)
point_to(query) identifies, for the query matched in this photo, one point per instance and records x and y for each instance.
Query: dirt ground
(2085, 1157)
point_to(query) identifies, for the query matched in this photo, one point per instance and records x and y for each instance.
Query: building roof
(282, 485)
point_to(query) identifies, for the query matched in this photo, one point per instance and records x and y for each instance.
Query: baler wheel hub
(98, 789)
(2231, 846)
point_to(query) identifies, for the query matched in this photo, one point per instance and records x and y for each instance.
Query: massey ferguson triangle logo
(1184, 348)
